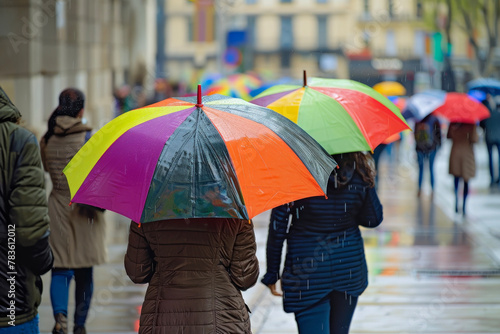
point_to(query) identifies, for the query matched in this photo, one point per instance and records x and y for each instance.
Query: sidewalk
(430, 271)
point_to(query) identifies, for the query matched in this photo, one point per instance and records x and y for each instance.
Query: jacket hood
(8, 111)
(345, 173)
(66, 125)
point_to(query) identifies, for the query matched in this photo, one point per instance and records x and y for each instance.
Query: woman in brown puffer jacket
(196, 269)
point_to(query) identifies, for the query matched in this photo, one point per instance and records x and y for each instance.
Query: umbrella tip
(305, 78)
(198, 96)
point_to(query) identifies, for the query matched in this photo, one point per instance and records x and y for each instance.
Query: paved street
(430, 270)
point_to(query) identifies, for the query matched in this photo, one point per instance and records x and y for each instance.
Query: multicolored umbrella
(342, 115)
(462, 108)
(191, 157)
(269, 84)
(390, 88)
(235, 85)
(399, 102)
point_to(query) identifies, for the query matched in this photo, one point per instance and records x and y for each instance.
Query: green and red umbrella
(197, 157)
(342, 115)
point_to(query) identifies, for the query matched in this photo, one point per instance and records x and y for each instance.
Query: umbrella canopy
(399, 102)
(422, 104)
(342, 115)
(191, 157)
(477, 94)
(461, 108)
(487, 85)
(235, 85)
(390, 88)
(269, 84)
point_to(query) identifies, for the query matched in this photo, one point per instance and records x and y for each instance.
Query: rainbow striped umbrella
(342, 115)
(235, 85)
(211, 156)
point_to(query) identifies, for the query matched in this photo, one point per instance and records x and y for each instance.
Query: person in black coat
(491, 127)
(325, 268)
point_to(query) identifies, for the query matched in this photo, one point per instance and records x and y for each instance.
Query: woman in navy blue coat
(325, 268)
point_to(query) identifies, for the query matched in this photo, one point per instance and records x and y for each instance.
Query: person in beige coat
(462, 163)
(77, 231)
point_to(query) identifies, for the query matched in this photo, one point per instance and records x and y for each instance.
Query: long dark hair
(354, 162)
(71, 102)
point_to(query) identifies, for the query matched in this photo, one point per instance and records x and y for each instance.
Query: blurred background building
(94, 45)
(100, 46)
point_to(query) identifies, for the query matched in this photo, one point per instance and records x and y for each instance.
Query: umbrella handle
(198, 97)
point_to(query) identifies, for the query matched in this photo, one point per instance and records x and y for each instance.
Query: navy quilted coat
(325, 250)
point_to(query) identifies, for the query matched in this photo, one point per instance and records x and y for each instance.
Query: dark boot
(79, 330)
(61, 326)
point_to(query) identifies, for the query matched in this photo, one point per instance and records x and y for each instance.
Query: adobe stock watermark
(434, 310)
(32, 26)
(103, 297)
(374, 24)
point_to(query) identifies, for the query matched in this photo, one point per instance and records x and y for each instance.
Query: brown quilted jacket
(195, 270)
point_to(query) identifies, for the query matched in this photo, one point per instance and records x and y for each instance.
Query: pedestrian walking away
(196, 269)
(427, 142)
(78, 236)
(462, 163)
(491, 128)
(325, 270)
(24, 224)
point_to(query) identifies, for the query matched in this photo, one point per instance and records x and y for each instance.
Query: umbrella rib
(195, 152)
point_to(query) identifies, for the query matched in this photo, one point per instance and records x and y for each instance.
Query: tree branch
(496, 14)
(483, 8)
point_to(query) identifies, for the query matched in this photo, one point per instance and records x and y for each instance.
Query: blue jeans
(421, 157)
(59, 292)
(30, 327)
(332, 315)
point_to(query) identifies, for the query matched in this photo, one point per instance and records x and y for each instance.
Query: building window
(248, 49)
(419, 44)
(251, 30)
(390, 44)
(190, 29)
(390, 8)
(286, 1)
(420, 9)
(321, 1)
(322, 32)
(286, 36)
(250, 2)
(286, 59)
(366, 7)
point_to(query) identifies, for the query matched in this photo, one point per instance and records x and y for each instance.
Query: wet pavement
(431, 271)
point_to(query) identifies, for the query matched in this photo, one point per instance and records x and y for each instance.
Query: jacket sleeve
(38, 258)
(474, 138)
(277, 234)
(370, 214)
(244, 269)
(28, 204)
(139, 258)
